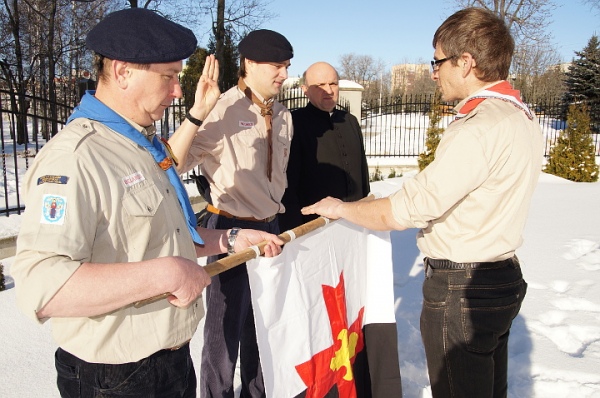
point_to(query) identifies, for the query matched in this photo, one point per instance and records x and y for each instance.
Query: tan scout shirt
(94, 196)
(231, 147)
(472, 200)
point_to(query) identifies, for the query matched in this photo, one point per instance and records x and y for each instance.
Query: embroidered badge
(246, 125)
(133, 179)
(53, 209)
(52, 180)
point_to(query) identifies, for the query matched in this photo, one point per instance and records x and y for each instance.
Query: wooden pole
(250, 253)
(226, 263)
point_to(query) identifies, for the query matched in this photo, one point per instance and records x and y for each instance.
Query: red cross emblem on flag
(333, 365)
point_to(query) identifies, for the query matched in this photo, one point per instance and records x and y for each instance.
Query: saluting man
(243, 148)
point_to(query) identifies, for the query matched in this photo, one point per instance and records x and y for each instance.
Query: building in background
(412, 79)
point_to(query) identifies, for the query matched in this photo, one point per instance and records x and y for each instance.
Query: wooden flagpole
(226, 263)
(250, 253)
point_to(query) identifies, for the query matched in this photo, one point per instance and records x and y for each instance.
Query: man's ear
(121, 72)
(249, 64)
(468, 63)
(304, 88)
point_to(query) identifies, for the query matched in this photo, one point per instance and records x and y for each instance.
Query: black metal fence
(293, 98)
(397, 127)
(392, 127)
(21, 136)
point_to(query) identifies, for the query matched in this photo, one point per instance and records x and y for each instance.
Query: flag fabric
(311, 304)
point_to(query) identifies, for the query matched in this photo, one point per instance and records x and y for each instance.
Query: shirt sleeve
(57, 231)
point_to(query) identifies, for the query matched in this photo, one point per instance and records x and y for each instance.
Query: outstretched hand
(328, 207)
(207, 91)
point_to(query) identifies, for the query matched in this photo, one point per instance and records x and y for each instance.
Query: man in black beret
(243, 147)
(108, 223)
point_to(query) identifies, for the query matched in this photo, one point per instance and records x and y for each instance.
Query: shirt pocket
(143, 201)
(141, 214)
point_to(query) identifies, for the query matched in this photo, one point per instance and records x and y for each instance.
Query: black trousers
(165, 374)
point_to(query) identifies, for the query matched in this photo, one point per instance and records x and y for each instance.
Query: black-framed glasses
(436, 63)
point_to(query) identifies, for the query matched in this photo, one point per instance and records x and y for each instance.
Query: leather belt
(211, 209)
(447, 264)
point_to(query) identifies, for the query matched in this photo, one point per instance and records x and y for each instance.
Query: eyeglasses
(435, 64)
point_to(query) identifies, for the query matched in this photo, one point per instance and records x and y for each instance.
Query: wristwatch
(231, 240)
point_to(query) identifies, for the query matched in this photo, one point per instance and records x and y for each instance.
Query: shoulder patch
(54, 208)
(52, 179)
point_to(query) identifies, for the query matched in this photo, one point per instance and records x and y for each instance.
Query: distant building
(404, 76)
(564, 67)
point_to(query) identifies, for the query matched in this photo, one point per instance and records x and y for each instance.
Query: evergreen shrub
(573, 156)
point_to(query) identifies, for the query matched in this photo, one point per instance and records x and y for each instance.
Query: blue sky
(396, 31)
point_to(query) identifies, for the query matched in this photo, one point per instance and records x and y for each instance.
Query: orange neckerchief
(503, 91)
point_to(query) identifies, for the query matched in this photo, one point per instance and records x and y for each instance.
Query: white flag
(311, 303)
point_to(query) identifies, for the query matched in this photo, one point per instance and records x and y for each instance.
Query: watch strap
(231, 239)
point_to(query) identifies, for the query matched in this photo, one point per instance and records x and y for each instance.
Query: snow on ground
(554, 348)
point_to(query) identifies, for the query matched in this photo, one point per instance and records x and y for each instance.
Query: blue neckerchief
(91, 108)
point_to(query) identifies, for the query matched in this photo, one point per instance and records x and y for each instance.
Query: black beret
(141, 36)
(266, 46)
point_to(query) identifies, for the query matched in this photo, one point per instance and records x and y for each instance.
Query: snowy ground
(555, 341)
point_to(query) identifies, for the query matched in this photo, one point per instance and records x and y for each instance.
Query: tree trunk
(219, 31)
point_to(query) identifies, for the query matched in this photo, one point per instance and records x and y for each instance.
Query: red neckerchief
(503, 91)
(266, 110)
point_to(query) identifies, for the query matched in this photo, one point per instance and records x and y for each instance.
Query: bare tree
(531, 66)
(594, 4)
(367, 71)
(39, 51)
(528, 21)
(13, 71)
(238, 17)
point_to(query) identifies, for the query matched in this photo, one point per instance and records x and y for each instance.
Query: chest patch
(133, 179)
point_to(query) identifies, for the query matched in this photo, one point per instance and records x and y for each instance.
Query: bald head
(321, 86)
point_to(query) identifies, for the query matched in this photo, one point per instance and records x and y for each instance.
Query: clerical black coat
(327, 158)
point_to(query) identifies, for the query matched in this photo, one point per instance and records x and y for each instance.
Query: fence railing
(397, 127)
(393, 127)
(294, 99)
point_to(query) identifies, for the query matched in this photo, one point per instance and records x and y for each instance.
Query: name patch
(52, 180)
(246, 125)
(54, 208)
(133, 179)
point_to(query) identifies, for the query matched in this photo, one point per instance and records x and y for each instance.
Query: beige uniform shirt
(471, 202)
(231, 147)
(94, 196)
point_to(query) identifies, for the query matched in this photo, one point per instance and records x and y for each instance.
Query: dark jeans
(229, 326)
(465, 323)
(165, 374)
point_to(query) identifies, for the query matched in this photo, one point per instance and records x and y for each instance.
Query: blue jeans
(465, 323)
(165, 374)
(229, 325)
